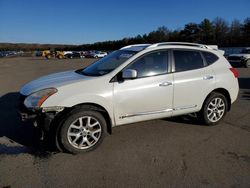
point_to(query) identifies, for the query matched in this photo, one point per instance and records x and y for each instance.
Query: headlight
(36, 99)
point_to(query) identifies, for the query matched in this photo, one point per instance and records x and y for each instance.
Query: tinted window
(151, 64)
(210, 57)
(187, 60)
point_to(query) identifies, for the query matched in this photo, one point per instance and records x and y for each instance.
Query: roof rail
(139, 47)
(211, 47)
(136, 45)
(181, 44)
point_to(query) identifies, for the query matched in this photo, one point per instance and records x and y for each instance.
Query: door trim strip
(158, 112)
(146, 113)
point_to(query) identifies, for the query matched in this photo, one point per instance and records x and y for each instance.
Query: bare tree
(235, 34)
(221, 30)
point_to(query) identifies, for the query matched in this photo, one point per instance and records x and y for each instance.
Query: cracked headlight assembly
(36, 99)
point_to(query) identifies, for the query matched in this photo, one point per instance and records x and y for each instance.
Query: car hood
(53, 80)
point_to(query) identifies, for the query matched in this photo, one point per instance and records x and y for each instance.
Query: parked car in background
(68, 52)
(100, 54)
(133, 84)
(74, 55)
(95, 54)
(8, 53)
(39, 53)
(2, 54)
(240, 59)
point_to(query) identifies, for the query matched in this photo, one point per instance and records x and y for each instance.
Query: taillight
(235, 72)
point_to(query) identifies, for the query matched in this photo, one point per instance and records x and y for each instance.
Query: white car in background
(98, 54)
(136, 83)
(240, 59)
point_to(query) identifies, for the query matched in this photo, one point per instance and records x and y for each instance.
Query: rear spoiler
(215, 47)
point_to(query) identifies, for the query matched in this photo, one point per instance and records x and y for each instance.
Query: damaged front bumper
(41, 117)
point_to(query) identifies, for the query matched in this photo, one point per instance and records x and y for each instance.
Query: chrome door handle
(165, 84)
(208, 77)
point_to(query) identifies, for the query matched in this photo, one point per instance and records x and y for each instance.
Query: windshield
(108, 63)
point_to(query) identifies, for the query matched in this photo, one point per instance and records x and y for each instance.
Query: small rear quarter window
(210, 57)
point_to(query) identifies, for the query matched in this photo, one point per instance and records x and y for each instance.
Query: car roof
(140, 47)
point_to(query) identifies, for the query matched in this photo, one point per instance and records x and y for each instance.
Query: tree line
(218, 32)
(33, 47)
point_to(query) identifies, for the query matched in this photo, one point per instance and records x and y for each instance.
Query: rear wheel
(82, 131)
(214, 109)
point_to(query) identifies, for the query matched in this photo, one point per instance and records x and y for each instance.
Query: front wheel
(214, 109)
(82, 131)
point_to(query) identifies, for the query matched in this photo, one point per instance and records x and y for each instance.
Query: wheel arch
(224, 92)
(99, 108)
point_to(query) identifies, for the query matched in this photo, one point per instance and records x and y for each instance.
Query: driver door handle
(165, 84)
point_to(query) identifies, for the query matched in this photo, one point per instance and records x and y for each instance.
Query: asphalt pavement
(176, 152)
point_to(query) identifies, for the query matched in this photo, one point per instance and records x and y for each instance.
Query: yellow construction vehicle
(53, 54)
(47, 54)
(60, 54)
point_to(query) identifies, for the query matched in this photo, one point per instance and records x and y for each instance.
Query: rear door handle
(208, 77)
(165, 84)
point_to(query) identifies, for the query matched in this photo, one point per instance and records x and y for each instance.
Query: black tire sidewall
(71, 118)
(204, 109)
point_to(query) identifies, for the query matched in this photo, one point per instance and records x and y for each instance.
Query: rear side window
(187, 60)
(210, 57)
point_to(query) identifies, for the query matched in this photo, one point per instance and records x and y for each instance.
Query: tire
(82, 131)
(247, 65)
(214, 109)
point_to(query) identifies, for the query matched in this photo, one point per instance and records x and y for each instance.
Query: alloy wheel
(215, 109)
(84, 132)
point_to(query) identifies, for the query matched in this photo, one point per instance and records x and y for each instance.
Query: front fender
(71, 101)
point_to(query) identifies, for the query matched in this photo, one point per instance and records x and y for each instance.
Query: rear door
(193, 80)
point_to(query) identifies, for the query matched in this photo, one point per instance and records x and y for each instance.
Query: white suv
(136, 83)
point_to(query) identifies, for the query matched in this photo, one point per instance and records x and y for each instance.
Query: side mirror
(129, 74)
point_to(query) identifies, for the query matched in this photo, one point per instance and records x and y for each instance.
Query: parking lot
(176, 152)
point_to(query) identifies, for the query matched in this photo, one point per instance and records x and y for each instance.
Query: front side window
(187, 60)
(151, 64)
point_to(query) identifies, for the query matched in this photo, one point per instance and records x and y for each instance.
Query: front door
(150, 95)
